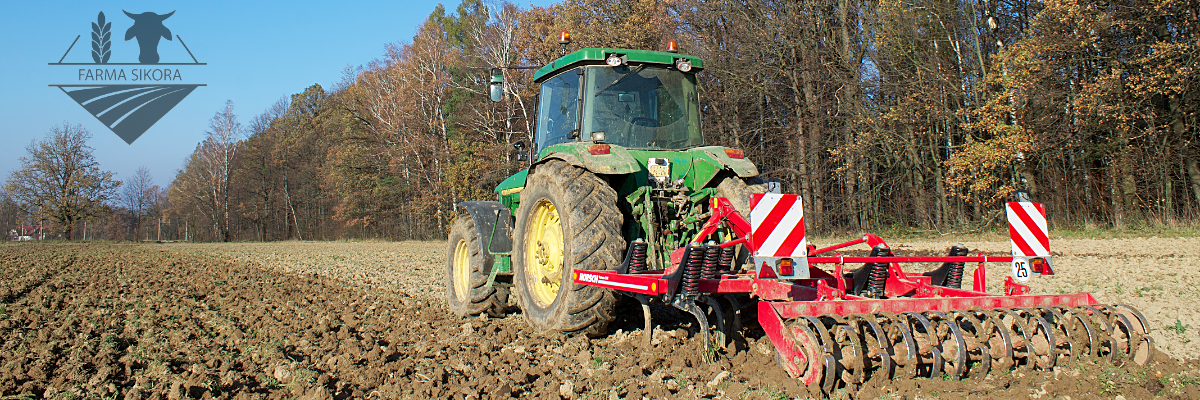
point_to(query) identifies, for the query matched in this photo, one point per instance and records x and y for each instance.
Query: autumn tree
(204, 181)
(256, 174)
(61, 180)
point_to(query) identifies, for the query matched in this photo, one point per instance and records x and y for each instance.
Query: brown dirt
(177, 321)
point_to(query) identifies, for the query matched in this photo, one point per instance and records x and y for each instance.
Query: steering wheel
(648, 122)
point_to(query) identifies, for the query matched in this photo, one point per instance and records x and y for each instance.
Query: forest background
(920, 115)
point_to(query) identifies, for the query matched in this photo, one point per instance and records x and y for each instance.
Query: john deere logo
(129, 109)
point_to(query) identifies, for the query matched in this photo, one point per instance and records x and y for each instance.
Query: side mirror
(496, 87)
(522, 150)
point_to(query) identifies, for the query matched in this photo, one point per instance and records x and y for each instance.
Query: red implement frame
(825, 293)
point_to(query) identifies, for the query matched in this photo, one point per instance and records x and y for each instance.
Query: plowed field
(366, 320)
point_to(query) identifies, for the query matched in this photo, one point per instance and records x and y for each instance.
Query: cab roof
(595, 55)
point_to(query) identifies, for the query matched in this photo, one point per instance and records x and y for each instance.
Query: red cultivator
(833, 327)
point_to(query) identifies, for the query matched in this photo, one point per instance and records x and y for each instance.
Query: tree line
(888, 113)
(60, 192)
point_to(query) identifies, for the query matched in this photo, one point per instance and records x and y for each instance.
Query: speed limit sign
(1021, 270)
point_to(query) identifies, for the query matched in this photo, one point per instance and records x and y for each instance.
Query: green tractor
(618, 158)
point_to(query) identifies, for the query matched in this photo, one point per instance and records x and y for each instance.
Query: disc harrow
(835, 329)
(833, 351)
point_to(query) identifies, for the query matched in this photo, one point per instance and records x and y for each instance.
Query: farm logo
(129, 109)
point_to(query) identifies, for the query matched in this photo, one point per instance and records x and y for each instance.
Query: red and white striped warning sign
(777, 225)
(1027, 229)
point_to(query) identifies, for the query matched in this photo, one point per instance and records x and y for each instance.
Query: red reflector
(785, 267)
(767, 273)
(598, 149)
(735, 153)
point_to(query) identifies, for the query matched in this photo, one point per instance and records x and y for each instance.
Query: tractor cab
(636, 99)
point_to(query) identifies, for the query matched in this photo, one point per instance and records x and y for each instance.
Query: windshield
(642, 107)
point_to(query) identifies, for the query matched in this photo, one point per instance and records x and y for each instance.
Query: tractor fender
(493, 223)
(717, 155)
(617, 161)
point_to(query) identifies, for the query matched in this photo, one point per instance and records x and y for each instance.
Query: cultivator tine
(1082, 332)
(719, 316)
(1129, 337)
(906, 355)
(702, 319)
(814, 368)
(1106, 344)
(647, 330)
(876, 354)
(1145, 347)
(976, 339)
(849, 352)
(1024, 341)
(736, 311)
(1125, 337)
(1066, 346)
(927, 342)
(954, 347)
(1044, 344)
(1000, 344)
(828, 362)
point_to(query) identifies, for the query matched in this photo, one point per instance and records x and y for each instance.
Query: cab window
(558, 114)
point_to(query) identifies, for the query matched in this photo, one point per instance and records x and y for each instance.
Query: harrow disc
(846, 351)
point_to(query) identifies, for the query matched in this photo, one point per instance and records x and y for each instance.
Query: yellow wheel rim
(544, 253)
(462, 270)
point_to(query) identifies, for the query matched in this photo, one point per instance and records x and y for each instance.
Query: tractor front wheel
(467, 267)
(568, 220)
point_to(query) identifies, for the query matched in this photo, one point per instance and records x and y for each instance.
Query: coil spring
(691, 270)
(954, 276)
(876, 280)
(726, 262)
(712, 256)
(638, 262)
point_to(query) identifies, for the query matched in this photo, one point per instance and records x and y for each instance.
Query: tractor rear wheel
(567, 220)
(738, 191)
(467, 267)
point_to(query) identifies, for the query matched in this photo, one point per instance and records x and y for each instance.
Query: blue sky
(257, 53)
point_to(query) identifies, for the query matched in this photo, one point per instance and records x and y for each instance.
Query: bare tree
(138, 195)
(10, 212)
(61, 179)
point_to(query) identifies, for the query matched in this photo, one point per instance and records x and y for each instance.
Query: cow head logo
(148, 28)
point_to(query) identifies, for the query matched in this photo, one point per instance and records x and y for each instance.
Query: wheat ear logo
(101, 45)
(129, 110)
